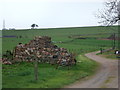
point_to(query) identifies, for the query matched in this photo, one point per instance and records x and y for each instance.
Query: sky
(21, 14)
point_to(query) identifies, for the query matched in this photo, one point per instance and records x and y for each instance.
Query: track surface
(105, 77)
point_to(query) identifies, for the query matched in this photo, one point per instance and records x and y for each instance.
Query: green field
(109, 54)
(62, 35)
(21, 75)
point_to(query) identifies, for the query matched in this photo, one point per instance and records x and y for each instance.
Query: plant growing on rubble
(8, 54)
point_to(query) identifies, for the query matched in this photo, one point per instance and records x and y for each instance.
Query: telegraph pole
(3, 25)
(114, 41)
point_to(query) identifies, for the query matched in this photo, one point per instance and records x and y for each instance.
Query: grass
(60, 34)
(109, 54)
(107, 81)
(22, 75)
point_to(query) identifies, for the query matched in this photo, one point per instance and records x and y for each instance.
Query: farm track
(105, 77)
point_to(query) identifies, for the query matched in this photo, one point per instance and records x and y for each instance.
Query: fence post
(101, 51)
(114, 41)
(36, 69)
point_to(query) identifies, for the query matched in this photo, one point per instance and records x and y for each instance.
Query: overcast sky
(49, 13)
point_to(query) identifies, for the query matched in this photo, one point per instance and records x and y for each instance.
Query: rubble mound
(43, 50)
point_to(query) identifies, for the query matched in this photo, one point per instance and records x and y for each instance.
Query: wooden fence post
(36, 69)
(101, 51)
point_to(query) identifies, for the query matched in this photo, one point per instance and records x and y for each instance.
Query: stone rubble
(43, 50)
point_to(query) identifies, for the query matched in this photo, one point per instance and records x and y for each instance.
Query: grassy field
(62, 34)
(21, 75)
(109, 54)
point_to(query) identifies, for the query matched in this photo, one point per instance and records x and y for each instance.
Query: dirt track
(105, 77)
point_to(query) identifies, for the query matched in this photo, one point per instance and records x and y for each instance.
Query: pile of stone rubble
(43, 50)
(5, 61)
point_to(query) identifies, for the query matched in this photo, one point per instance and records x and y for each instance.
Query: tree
(34, 25)
(111, 13)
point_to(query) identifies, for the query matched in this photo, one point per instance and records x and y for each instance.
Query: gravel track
(105, 77)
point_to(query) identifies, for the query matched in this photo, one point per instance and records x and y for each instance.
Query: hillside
(61, 35)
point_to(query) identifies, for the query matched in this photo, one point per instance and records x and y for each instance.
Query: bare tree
(110, 15)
